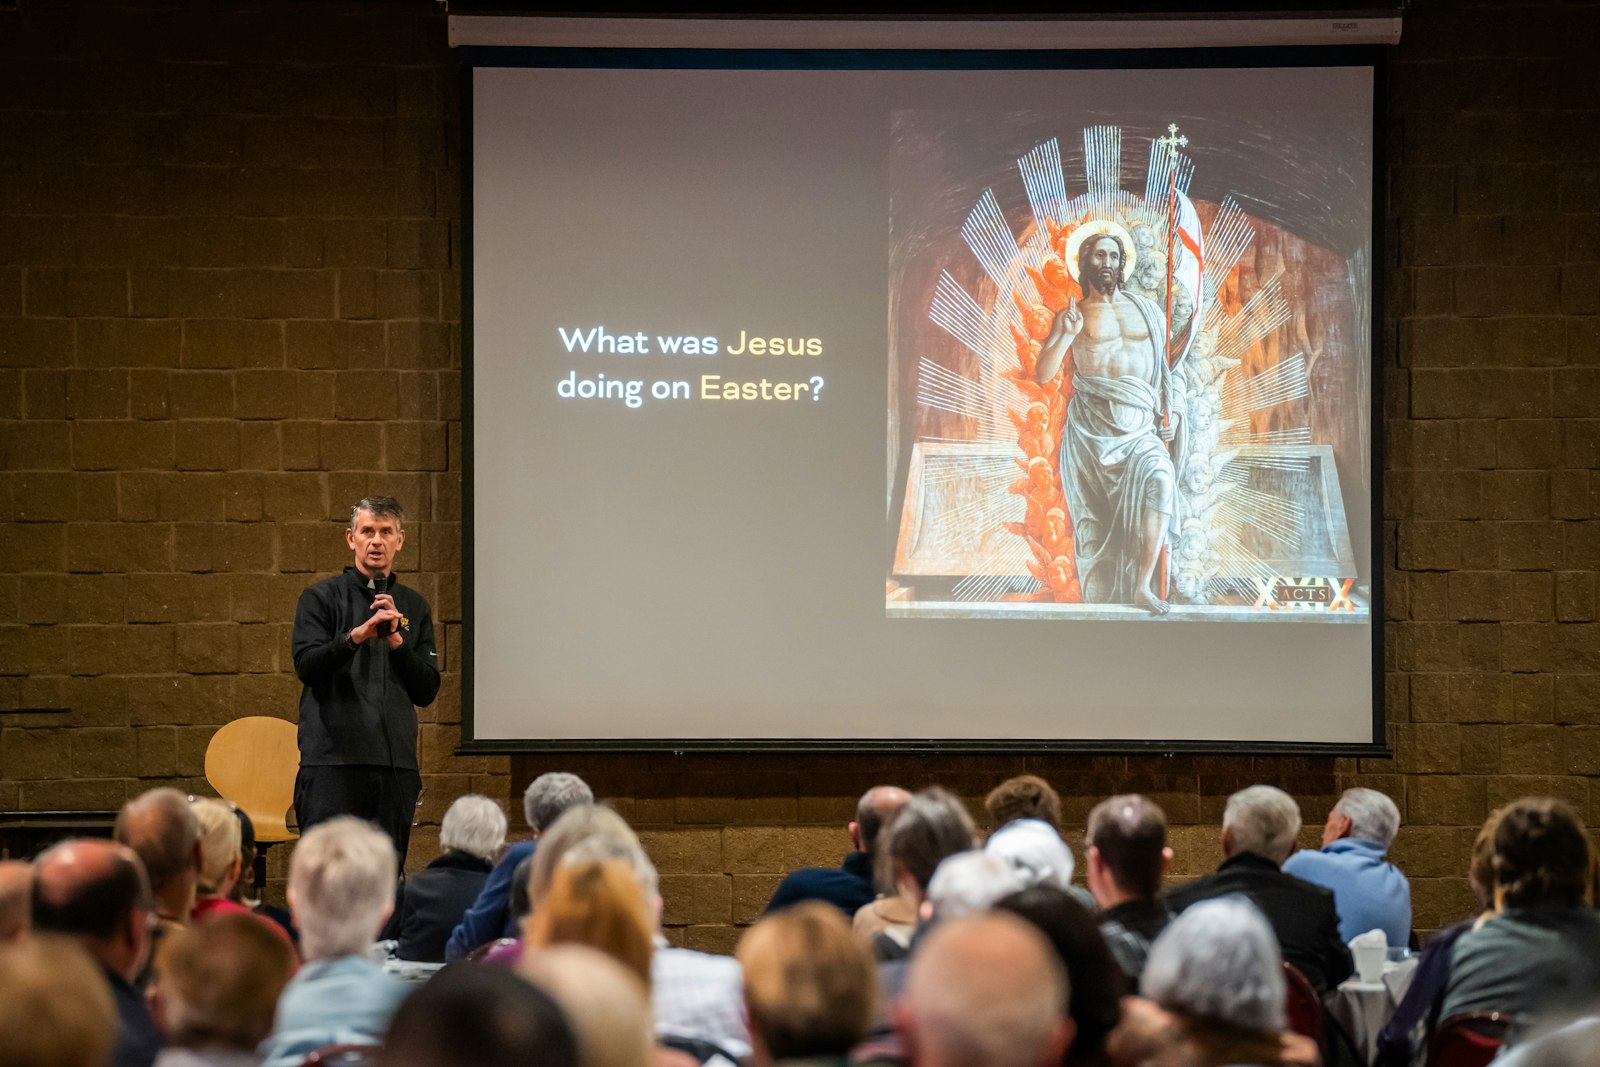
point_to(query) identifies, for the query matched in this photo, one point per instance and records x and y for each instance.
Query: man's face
(376, 540)
(1100, 263)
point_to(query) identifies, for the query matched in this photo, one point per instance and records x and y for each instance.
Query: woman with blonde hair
(598, 903)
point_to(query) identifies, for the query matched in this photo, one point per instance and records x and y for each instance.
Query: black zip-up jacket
(359, 705)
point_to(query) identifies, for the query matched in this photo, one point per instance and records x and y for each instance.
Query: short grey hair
(549, 795)
(589, 832)
(970, 882)
(474, 824)
(1263, 819)
(378, 507)
(341, 883)
(1373, 816)
(1219, 960)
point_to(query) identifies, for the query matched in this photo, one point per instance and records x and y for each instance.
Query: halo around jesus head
(1095, 228)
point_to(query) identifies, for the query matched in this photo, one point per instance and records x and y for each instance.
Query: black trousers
(385, 796)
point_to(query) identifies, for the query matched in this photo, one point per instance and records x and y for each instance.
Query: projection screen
(947, 399)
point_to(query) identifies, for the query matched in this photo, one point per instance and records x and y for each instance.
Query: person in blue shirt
(1369, 892)
(490, 917)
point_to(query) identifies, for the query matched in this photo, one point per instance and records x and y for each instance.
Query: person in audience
(240, 893)
(479, 1017)
(847, 887)
(1369, 892)
(1217, 972)
(606, 1004)
(490, 916)
(1039, 855)
(341, 889)
(930, 825)
(696, 996)
(1027, 796)
(434, 901)
(1127, 855)
(55, 1009)
(598, 903)
(1407, 1030)
(96, 893)
(809, 987)
(222, 863)
(967, 883)
(1541, 952)
(1574, 1044)
(162, 829)
(16, 883)
(984, 991)
(1096, 985)
(215, 987)
(1259, 827)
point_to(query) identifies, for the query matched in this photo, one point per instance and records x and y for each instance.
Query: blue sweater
(490, 915)
(1369, 893)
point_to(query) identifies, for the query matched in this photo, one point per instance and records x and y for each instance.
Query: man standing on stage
(363, 646)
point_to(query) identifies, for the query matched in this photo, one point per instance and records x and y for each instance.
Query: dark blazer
(1301, 913)
(433, 902)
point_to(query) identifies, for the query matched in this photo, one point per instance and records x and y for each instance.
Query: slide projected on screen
(934, 406)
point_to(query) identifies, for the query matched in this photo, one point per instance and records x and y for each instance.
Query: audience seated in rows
(490, 916)
(215, 987)
(1127, 850)
(341, 890)
(967, 988)
(55, 1008)
(1259, 827)
(809, 987)
(1369, 892)
(95, 892)
(929, 826)
(432, 902)
(849, 887)
(479, 1017)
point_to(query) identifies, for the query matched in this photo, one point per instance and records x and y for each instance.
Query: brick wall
(229, 304)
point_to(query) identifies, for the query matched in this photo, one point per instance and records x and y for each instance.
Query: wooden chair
(253, 762)
(1469, 1039)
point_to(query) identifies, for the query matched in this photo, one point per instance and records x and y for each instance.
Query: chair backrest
(1470, 1039)
(253, 762)
(1301, 1003)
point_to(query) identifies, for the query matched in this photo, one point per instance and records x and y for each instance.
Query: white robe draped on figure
(1115, 467)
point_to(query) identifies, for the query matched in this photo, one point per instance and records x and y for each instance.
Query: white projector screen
(766, 443)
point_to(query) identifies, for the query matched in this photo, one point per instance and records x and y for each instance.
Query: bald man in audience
(16, 882)
(849, 886)
(1259, 828)
(161, 827)
(986, 991)
(95, 892)
(54, 1006)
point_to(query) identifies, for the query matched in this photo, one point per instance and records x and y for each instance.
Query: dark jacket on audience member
(1301, 914)
(490, 916)
(432, 902)
(1129, 928)
(847, 887)
(138, 1039)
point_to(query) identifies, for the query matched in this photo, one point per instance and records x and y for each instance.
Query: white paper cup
(1369, 961)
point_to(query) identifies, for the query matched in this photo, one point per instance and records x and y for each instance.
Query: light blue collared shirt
(1369, 893)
